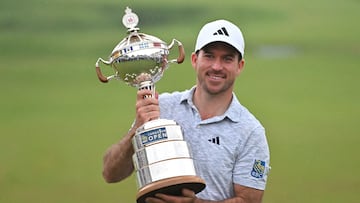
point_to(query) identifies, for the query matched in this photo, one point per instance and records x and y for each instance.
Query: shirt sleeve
(252, 163)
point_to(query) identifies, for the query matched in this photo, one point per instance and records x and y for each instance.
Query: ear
(241, 66)
(194, 58)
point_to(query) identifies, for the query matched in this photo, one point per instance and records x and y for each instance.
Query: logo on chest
(215, 140)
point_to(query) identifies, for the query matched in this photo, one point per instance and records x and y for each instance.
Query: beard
(215, 89)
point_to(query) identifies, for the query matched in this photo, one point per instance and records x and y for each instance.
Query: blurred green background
(301, 80)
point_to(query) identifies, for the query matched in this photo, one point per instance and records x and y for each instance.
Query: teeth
(215, 76)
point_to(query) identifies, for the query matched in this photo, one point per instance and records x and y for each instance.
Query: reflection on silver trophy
(162, 159)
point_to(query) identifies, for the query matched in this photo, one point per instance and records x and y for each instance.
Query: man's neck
(210, 105)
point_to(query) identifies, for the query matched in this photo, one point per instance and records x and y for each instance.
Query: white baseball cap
(221, 31)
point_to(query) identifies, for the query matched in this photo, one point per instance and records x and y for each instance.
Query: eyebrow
(208, 51)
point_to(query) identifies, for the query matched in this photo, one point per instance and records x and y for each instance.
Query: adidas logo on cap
(221, 31)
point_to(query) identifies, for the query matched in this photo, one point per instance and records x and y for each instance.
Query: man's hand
(147, 108)
(188, 197)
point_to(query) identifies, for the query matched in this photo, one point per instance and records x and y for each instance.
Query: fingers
(154, 200)
(188, 193)
(188, 196)
(147, 112)
(144, 93)
(147, 108)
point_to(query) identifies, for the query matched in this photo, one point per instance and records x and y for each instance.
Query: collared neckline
(233, 112)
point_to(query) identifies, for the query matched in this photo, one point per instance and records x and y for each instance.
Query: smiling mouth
(216, 76)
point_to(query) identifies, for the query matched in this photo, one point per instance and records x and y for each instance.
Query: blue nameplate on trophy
(153, 136)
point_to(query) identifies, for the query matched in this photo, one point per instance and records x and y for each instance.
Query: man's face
(217, 65)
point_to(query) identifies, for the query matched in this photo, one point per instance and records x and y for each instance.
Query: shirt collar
(187, 96)
(233, 112)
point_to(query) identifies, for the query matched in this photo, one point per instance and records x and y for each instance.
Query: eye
(228, 58)
(208, 55)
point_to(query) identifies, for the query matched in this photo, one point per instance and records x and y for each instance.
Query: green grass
(56, 119)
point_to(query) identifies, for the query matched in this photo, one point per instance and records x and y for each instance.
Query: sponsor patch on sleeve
(258, 169)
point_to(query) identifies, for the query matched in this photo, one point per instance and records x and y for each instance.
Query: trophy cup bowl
(162, 159)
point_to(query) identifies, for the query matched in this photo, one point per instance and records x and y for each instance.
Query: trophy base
(170, 186)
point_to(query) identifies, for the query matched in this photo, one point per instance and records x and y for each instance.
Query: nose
(217, 65)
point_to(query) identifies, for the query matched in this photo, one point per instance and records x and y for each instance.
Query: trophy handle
(101, 77)
(181, 56)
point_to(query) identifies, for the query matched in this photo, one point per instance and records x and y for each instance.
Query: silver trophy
(162, 159)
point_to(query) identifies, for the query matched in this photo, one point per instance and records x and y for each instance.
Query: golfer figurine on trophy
(162, 159)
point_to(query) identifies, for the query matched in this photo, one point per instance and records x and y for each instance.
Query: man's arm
(117, 161)
(242, 195)
(245, 195)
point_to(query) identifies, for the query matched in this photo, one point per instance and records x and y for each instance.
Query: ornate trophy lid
(139, 57)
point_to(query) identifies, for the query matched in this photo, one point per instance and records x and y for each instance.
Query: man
(235, 167)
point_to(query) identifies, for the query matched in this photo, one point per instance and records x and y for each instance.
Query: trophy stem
(149, 85)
